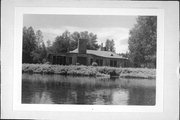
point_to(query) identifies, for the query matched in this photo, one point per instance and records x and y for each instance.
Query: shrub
(77, 64)
(94, 64)
(82, 70)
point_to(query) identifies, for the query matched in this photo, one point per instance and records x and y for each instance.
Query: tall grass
(129, 72)
(88, 70)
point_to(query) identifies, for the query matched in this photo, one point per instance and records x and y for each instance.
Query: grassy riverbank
(99, 71)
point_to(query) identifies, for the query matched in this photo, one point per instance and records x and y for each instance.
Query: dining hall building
(82, 56)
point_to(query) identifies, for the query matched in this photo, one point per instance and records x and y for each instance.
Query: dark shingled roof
(106, 54)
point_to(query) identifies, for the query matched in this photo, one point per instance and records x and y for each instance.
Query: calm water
(58, 89)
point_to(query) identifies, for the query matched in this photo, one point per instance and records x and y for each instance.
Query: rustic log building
(83, 56)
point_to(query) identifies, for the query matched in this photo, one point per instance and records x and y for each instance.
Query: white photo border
(17, 81)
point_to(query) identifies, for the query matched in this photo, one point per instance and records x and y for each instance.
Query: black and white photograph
(89, 59)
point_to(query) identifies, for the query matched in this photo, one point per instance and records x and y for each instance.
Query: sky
(114, 27)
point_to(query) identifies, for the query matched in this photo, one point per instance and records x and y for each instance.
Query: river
(59, 89)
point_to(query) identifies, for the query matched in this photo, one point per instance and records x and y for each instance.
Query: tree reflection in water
(57, 89)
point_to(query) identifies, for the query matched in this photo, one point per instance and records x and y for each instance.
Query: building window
(91, 61)
(97, 61)
(61, 60)
(115, 63)
(82, 60)
(54, 59)
(70, 60)
(101, 62)
(58, 60)
(111, 63)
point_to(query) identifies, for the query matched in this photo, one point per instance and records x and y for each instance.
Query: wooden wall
(72, 58)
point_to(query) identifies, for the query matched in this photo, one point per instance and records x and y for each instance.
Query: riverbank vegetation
(92, 71)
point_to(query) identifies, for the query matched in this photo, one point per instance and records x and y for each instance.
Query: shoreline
(90, 71)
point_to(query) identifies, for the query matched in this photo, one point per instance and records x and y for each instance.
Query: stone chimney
(82, 43)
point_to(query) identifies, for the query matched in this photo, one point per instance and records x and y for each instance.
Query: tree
(44, 51)
(126, 55)
(39, 38)
(62, 43)
(39, 54)
(67, 42)
(34, 49)
(29, 44)
(142, 42)
(48, 43)
(112, 48)
(109, 45)
(75, 36)
(92, 42)
(91, 39)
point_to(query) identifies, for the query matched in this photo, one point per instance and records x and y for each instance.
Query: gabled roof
(106, 54)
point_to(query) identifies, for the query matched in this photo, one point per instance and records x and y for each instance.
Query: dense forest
(141, 43)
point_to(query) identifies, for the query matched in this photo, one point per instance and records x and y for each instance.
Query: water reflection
(120, 97)
(57, 89)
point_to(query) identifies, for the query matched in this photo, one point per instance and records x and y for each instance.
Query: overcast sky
(104, 26)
